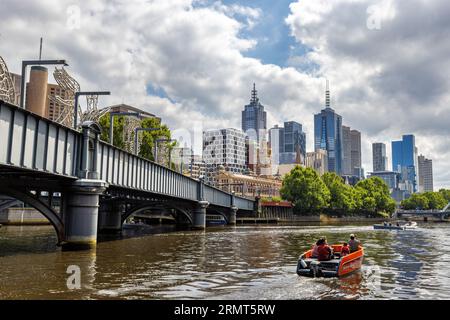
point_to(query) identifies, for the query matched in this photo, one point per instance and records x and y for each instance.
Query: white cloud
(384, 82)
(385, 59)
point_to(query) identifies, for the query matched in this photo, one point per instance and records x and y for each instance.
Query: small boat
(336, 267)
(215, 220)
(399, 226)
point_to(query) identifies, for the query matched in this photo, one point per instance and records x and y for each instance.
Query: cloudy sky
(193, 62)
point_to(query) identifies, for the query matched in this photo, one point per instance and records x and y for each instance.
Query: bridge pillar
(110, 217)
(200, 215)
(81, 214)
(233, 211)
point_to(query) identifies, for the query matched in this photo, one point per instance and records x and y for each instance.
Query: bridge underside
(50, 194)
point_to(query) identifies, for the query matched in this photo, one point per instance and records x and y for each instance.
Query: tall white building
(425, 174)
(223, 148)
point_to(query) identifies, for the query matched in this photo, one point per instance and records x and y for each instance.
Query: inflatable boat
(336, 267)
(402, 226)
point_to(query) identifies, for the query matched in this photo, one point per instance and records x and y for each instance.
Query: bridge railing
(123, 169)
(30, 141)
(217, 196)
(244, 204)
(33, 142)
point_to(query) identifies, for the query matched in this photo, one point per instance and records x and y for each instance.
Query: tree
(446, 194)
(376, 198)
(304, 188)
(416, 201)
(147, 138)
(436, 201)
(341, 195)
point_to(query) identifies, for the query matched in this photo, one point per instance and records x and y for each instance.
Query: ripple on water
(241, 263)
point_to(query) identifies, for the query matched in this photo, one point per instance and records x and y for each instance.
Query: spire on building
(254, 99)
(327, 95)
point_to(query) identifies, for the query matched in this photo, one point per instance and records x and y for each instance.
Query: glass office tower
(404, 161)
(254, 118)
(328, 135)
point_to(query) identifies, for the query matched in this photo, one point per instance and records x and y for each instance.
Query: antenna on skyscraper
(327, 95)
(40, 50)
(254, 94)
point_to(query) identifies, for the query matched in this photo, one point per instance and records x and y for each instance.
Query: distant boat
(215, 220)
(399, 226)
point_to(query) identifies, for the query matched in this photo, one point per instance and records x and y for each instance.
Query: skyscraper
(425, 174)
(404, 161)
(351, 154)
(379, 157)
(288, 143)
(346, 151)
(254, 118)
(328, 134)
(294, 150)
(223, 147)
(356, 159)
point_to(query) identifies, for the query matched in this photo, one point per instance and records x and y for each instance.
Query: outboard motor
(314, 266)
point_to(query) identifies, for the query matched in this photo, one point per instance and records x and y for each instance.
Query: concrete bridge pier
(200, 215)
(232, 220)
(110, 217)
(81, 214)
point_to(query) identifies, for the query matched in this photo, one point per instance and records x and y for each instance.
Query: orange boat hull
(334, 268)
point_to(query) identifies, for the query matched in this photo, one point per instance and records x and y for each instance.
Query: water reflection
(235, 263)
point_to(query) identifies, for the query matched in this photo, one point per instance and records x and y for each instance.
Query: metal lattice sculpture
(92, 113)
(7, 92)
(68, 86)
(129, 129)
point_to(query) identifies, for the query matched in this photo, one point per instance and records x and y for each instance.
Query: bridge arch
(47, 211)
(219, 212)
(139, 209)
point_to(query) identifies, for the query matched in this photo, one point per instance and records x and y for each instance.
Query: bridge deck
(36, 144)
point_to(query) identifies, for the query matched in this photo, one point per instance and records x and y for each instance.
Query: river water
(244, 262)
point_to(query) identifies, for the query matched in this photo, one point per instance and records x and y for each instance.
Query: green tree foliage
(375, 195)
(304, 188)
(341, 195)
(446, 194)
(416, 201)
(425, 201)
(147, 138)
(312, 194)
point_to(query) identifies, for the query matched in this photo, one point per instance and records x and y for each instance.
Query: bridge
(441, 215)
(83, 185)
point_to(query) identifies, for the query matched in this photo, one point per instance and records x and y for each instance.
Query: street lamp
(26, 63)
(136, 131)
(85, 93)
(111, 122)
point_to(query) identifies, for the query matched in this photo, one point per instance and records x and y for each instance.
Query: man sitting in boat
(354, 243)
(345, 250)
(325, 252)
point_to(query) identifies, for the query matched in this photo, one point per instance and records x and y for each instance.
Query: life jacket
(324, 252)
(345, 251)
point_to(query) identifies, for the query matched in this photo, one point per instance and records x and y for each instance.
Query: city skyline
(378, 93)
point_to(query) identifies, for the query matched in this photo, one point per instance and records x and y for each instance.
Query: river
(244, 262)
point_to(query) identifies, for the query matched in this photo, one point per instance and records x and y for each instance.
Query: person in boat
(398, 224)
(354, 243)
(325, 252)
(345, 251)
(315, 250)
